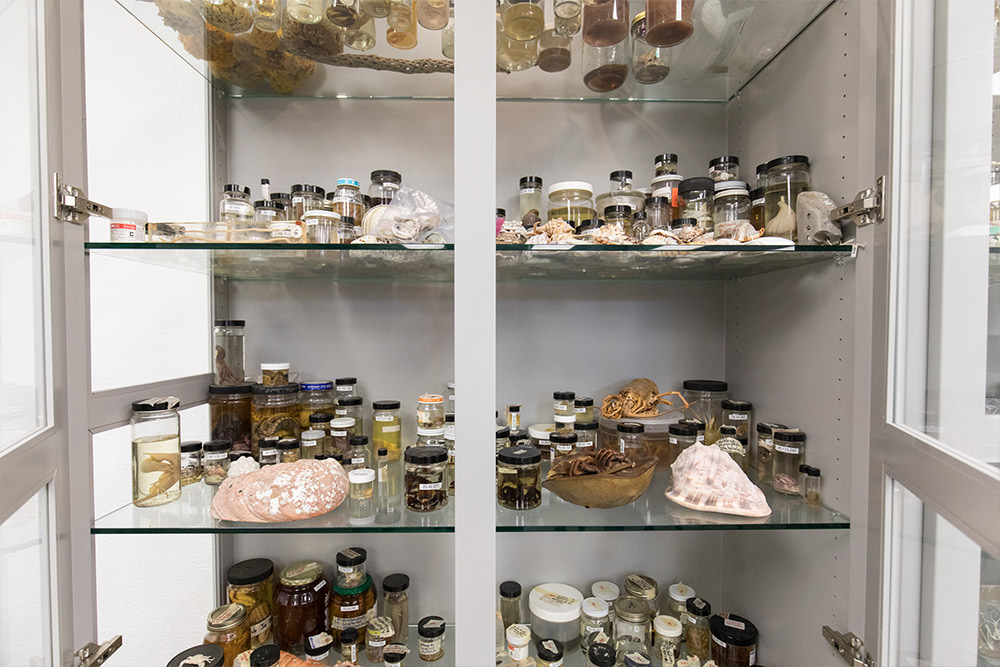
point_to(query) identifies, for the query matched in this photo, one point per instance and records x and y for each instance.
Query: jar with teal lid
(347, 199)
(352, 608)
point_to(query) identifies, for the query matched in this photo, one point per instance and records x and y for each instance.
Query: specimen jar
(156, 451)
(668, 22)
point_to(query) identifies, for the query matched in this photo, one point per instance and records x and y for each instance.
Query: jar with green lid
(789, 454)
(386, 428)
(191, 466)
(396, 605)
(650, 64)
(632, 625)
(595, 617)
(215, 461)
(704, 399)
(351, 407)
(229, 414)
(314, 397)
(572, 201)
(667, 634)
(645, 588)
(787, 177)
(765, 450)
(430, 629)
(311, 443)
(424, 478)
(563, 443)
(229, 627)
(379, 635)
(550, 653)
(352, 608)
(251, 584)
(156, 451)
(300, 603)
(698, 197)
(586, 436)
(696, 632)
(275, 412)
(519, 478)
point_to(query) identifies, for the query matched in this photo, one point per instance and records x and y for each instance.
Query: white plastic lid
(542, 431)
(564, 419)
(312, 434)
(667, 626)
(571, 185)
(449, 432)
(595, 608)
(518, 635)
(430, 431)
(275, 367)
(606, 590)
(555, 603)
(680, 592)
(129, 214)
(361, 475)
(667, 192)
(732, 187)
(342, 422)
(348, 181)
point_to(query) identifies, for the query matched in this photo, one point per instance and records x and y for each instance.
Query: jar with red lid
(300, 604)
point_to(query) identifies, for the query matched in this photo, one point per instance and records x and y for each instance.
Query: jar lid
(556, 603)
(563, 437)
(209, 655)
(357, 590)
(697, 183)
(349, 636)
(813, 472)
(503, 432)
(732, 187)
(564, 395)
(264, 656)
(585, 426)
(230, 389)
(501, 213)
(191, 446)
(757, 193)
(617, 208)
(631, 427)
(761, 168)
(767, 428)
(158, 404)
(698, 607)
(386, 175)
(269, 203)
(571, 185)
(230, 323)
(564, 419)
(667, 626)
(360, 476)
(549, 649)
(358, 441)
(535, 181)
(733, 630)
(394, 654)
(638, 216)
(312, 434)
(226, 617)
(350, 401)
(723, 159)
(687, 430)
(385, 405)
(541, 431)
(595, 607)
(449, 418)
(697, 423)
(706, 385)
(510, 589)
(306, 187)
(249, 571)
(353, 555)
(520, 455)
(632, 609)
(641, 586)
(319, 651)
(789, 435)
(727, 429)
(320, 418)
(665, 157)
(657, 201)
(620, 174)
(430, 627)
(288, 443)
(518, 434)
(426, 454)
(234, 187)
(342, 422)
(787, 159)
(275, 390)
(280, 195)
(635, 28)
(743, 406)
(430, 398)
(325, 385)
(681, 222)
(518, 635)
(215, 445)
(395, 583)
(601, 655)
(346, 380)
(513, 408)
(680, 592)
(348, 182)
(605, 590)
(637, 659)
(381, 627)
(430, 432)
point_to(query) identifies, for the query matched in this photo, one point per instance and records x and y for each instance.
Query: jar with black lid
(156, 451)
(632, 439)
(346, 387)
(305, 197)
(426, 490)
(268, 448)
(734, 641)
(550, 653)
(351, 406)
(789, 454)
(502, 437)
(430, 629)
(600, 655)
(696, 631)
(699, 426)
(519, 437)
(704, 399)
(786, 177)
(530, 196)
(274, 412)
(724, 168)
(229, 413)
(563, 443)
(698, 195)
(384, 186)
(765, 450)
(300, 603)
(251, 584)
(396, 605)
(679, 437)
(191, 466)
(665, 164)
(586, 436)
(519, 477)
(215, 461)
(562, 403)
(351, 567)
(229, 351)
(619, 215)
(288, 450)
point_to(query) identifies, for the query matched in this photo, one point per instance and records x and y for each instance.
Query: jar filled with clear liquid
(523, 19)
(235, 212)
(432, 14)
(156, 451)
(698, 195)
(308, 12)
(786, 177)
(572, 201)
(448, 34)
(530, 196)
(267, 15)
(378, 9)
(342, 13)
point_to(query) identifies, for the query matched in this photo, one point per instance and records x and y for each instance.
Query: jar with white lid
(667, 633)
(594, 617)
(731, 207)
(321, 224)
(679, 594)
(555, 614)
(572, 201)
(311, 443)
(564, 423)
(518, 641)
(539, 435)
(275, 374)
(128, 225)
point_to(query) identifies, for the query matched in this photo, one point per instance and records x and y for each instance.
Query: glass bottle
(320, 421)
(346, 199)
(620, 216)
(680, 437)
(362, 36)
(274, 411)
(667, 637)
(530, 196)
(449, 443)
(351, 609)
(300, 604)
(305, 197)
(342, 13)
(732, 445)
(697, 636)
(352, 407)
(650, 64)
(644, 588)
(514, 417)
(502, 437)
(431, 632)
(789, 454)
(606, 67)
(362, 484)
(621, 192)
(563, 443)
(378, 9)
(724, 168)
(633, 629)
(554, 53)
(266, 15)
(510, 603)
(396, 605)
(738, 414)
(308, 12)
(665, 165)
(350, 644)
(812, 486)
(360, 456)
(235, 210)
(402, 38)
(594, 617)
(632, 440)
(425, 472)
(586, 436)
(562, 403)
(380, 632)
(567, 27)
(605, 24)
(229, 627)
(215, 461)
(518, 640)
(311, 443)
(757, 208)
(386, 428)
(698, 197)
(251, 584)
(669, 21)
(515, 56)
(314, 397)
(432, 14)
(229, 352)
(156, 451)
(765, 450)
(400, 16)
(523, 20)
(191, 467)
(705, 404)
(583, 409)
(267, 451)
(786, 177)
(448, 34)
(519, 477)
(346, 387)
(430, 411)
(567, 9)
(730, 208)
(288, 450)
(572, 201)
(384, 185)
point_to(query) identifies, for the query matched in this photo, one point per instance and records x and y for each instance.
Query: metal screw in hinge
(867, 208)
(93, 655)
(850, 647)
(70, 203)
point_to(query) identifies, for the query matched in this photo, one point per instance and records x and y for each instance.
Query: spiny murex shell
(707, 479)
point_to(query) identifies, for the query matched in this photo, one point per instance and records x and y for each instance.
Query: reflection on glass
(24, 588)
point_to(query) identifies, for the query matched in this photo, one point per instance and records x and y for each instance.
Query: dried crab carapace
(639, 399)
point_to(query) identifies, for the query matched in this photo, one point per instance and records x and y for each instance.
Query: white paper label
(579, 410)
(357, 461)
(436, 486)
(338, 434)
(738, 417)
(344, 569)
(517, 652)
(257, 629)
(739, 625)
(123, 232)
(593, 628)
(561, 407)
(785, 449)
(350, 607)
(391, 429)
(381, 474)
(215, 456)
(268, 452)
(673, 441)
(543, 443)
(451, 397)
(384, 418)
(341, 412)
(451, 453)
(564, 448)
(376, 642)
(701, 437)
(345, 387)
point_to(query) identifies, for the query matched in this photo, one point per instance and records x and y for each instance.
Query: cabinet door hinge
(93, 655)
(850, 648)
(867, 208)
(70, 203)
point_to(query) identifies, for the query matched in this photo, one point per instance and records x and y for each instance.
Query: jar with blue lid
(347, 200)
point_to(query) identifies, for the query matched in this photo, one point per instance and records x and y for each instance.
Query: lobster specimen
(639, 399)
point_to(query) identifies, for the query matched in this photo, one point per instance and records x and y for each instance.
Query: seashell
(611, 235)
(783, 223)
(539, 239)
(705, 478)
(512, 232)
(363, 240)
(553, 227)
(744, 232)
(565, 237)
(661, 237)
(703, 239)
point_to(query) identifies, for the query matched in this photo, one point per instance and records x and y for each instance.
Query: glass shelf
(191, 514)
(264, 261)
(608, 262)
(653, 511)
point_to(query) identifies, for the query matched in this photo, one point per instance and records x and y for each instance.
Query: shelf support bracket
(867, 208)
(70, 203)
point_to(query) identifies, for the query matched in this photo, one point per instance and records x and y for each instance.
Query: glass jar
(669, 21)
(362, 484)
(305, 197)
(731, 207)
(425, 471)
(514, 417)
(632, 440)
(275, 374)
(562, 444)
(320, 421)
(268, 451)
(698, 424)
(645, 588)
(605, 67)
(311, 443)
(605, 23)
(658, 213)
(678, 594)
(594, 617)
(789, 454)
(430, 437)
(266, 211)
(650, 64)
(380, 632)
(734, 641)
(554, 53)
(430, 629)
(400, 16)
(620, 216)
(760, 181)
(274, 412)
(251, 584)
(732, 445)
(321, 224)
(396, 605)
(266, 15)
(502, 437)
(515, 56)
(346, 199)
(384, 186)
(351, 570)
(346, 387)
(386, 428)
(765, 450)
(229, 353)
(640, 228)
(314, 397)
(786, 177)
(633, 629)
(448, 34)
(341, 432)
(705, 404)
(215, 461)
(636, 658)
(698, 197)
(430, 411)
(568, 26)
(519, 478)
(191, 466)
(555, 614)
(757, 208)
(309, 12)
(394, 655)
(156, 451)
(738, 414)
(518, 641)
(362, 36)
(284, 199)
(583, 409)
(538, 436)
(724, 168)
(523, 19)
(449, 444)
(696, 631)
(600, 655)
(680, 437)
(510, 603)
(667, 186)
(288, 450)
(319, 649)
(811, 486)
(351, 407)
(432, 14)
(449, 398)
(667, 635)
(352, 609)
(665, 164)
(350, 645)
(229, 627)
(530, 196)
(402, 38)
(562, 403)
(360, 455)
(229, 413)
(235, 212)
(550, 653)
(378, 9)
(572, 201)
(129, 225)
(607, 591)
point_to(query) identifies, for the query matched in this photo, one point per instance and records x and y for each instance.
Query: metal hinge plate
(850, 647)
(70, 204)
(867, 208)
(93, 655)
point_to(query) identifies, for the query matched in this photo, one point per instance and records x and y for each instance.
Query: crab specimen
(639, 399)
(605, 461)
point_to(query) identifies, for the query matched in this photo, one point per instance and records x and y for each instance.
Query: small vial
(266, 15)
(350, 645)
(803, 473)
(812, 487)
(514, 417)
(360, 456)
(362, 483)
(510, 603)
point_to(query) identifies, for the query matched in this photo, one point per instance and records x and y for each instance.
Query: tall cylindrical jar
(705, 404)
(650, 64)
(523, 19)
(156, 451)
(403, 38)
(696, 632)
(314, 397)
(605, 68)
(432, 14)
(274, 413)
(668, 22)
(633, 629)
(386, 426)
(229, 352)
(594, 618)
(765, 450)
(229, 414)
(605, 23)
(530, 196)
(789, 454)
(554, 54)
(396, 605)
(786, 177)
(698, 197)
(300, 604)
(251, 584)
(731, 207)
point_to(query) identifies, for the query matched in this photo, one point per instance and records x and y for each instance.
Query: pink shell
(706, 478)
(282, 492)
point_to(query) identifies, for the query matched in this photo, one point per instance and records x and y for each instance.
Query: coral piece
(702, 239)
(661, 237)
(180, 15)
(314, 41)
(812, 215)
(639, 399)
(512, 232)
(226, 16)
(707, 479)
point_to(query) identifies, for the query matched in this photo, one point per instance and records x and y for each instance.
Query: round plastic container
(555, 614)
(657, 437)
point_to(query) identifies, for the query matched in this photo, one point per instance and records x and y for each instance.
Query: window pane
(24, 585)
(22, 335)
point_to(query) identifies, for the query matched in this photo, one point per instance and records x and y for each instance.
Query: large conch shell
(705, 478)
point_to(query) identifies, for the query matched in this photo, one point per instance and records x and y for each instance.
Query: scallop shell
(705, 478)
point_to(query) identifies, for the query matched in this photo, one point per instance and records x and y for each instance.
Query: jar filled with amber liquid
(229, 627)
(300, 604)
(229, 408)
(426, 489)
(519, 477)
(352, 609)
(274, 413)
